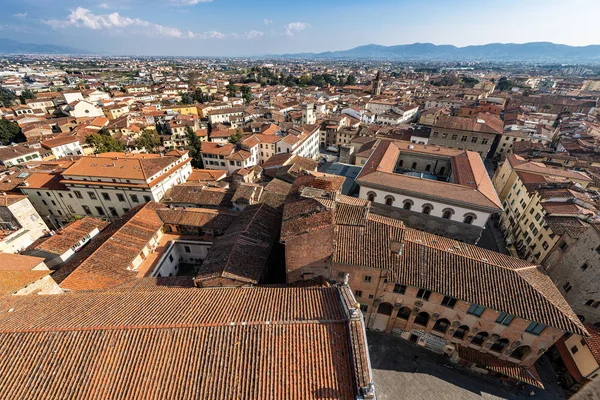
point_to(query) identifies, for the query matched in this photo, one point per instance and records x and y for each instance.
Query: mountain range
(494, 52)
(9, 46)
(536, 52)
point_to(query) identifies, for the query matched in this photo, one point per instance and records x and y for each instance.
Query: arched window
(427, 208)
(447, 213)
(461, 332)
(404, 313)
(385, 309)
(400, 163)
(389, 200)
(499, 345)
(407, 205)
(442, 170)
(422, 318)
(428, 168)
(521, 352)
(581, 318)
(479, 338)
(589, 302)
(371, 196)
(469, 218)
(414, 165)
(441, 325)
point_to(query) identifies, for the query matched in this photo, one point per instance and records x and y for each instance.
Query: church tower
(308, 113)
(376, 91)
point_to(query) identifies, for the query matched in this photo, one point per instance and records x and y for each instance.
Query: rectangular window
(120, 197)
(454, 137)
(367, 278)
(423, 294)
(401, 289)
(567, 286)
(574, 349)
(464, 138)
(113, 211)
(358, 293)
(87, 210)
(449, 301)
(53, 202)
(100, 210)
(476, 310)
(484, 141)
(147, 199)
(535, 328)
(563, 245)
(134, 198)
(474, 140)
(105, 196)
(44, 201)
(364, 307)
(78, 194)
(187, 249)
(92, 195)
(504, 319)
(584, 266)
(125, 209)
(171, 257)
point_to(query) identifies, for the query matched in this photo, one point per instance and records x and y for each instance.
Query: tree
(351, 80)
(193, 147)
(9, 131)
(104, 143)
(504, 84)
(235, 137)
(246, 94)
(26, 95)
(187, 98)
(231, 90)
(7, 97)
(149, 140)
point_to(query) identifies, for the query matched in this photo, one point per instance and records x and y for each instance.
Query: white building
(105, 185)
(63, 146)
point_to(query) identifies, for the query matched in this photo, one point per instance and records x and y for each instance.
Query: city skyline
(235, 28)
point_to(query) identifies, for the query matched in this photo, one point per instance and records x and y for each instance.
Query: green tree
(504, 84)
(246, 94)
(7, 97)
(26, 95)
(104, 143)
(231, 90)
(194, 147)
(235, 137)
(149, 140)
(9, 131)
(187, 98)
(351, 80)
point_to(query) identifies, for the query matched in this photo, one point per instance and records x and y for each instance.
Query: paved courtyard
(398, 375)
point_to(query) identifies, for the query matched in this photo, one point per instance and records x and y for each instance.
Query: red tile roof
(172, 343)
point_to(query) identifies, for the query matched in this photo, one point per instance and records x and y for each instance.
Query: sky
(253, 27)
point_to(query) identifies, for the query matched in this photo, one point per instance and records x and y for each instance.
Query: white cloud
(188, 2)
(268, 21)
(294, 27)
(253, 34)
(84, 18)
(103, 5)
(20, 15)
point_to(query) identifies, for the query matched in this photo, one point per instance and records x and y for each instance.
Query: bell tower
(376, 90)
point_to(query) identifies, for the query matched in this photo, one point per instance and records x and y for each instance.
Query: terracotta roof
(120, 165)
(467, 166)
(300, 342)
(106, 260)
(242, 252)
(45, 180)
(222, 149)
(18, 262)
(206, 175)
(197, 217)
(593, 341)
(490, 124)
(10, 152)
(433, 262)
(527, 375)
(68, 235)
(15, 280)
(199, 195)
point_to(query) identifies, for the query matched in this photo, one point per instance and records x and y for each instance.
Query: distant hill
(537, 52)
(9, 46)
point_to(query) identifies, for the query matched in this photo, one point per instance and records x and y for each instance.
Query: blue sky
(252, 27)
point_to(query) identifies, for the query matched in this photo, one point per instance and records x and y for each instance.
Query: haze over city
(241, 27)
